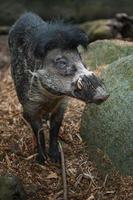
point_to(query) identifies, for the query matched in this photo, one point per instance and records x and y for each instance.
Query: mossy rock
(11, 188)
(98, 29)
(106, 51)
(108, 128)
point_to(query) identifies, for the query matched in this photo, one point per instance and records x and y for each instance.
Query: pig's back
(22, 39)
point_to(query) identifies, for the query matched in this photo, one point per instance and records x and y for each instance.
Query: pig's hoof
(41, 159)
(55, 155)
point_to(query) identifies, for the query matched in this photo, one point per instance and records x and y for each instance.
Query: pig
(47, 68)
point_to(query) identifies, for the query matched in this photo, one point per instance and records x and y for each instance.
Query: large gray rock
(108, 128)
(121, 26)
(11, 188)
(103, 52)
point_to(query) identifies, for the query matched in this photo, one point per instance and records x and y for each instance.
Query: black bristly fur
(60, 35)
(47, 35)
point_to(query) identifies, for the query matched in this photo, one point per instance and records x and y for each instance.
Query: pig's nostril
(106, 97)
(100, 99)
(101, 94)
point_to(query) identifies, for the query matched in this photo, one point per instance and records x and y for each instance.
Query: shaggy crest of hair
(31, 30)
(58, 34)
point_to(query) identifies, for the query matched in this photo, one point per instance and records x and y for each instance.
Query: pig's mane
(30, 31)
(58, 34)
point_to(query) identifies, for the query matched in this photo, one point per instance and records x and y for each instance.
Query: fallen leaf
(91, 197)
(52, 175)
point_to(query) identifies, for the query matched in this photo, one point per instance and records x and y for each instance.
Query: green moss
(98, 29)
(106, 51)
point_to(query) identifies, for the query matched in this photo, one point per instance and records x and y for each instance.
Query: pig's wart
(46, 68)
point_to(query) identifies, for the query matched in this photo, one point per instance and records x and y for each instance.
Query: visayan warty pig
(46, 68)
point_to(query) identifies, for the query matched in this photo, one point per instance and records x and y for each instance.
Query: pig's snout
(90, 89)
(100, 96)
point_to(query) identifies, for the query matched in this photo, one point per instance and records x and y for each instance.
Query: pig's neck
(41, 97)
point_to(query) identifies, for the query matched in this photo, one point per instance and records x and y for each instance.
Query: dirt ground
(45, 182)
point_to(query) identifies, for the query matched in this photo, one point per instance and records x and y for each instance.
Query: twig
(91, 197)
(63, 172)
(30, 157)
(79, 178)
(89, 176)
(25, 122)
(105, 180)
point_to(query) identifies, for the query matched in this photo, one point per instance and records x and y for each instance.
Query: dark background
(73, 10)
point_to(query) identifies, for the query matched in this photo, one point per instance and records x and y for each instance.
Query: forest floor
(45, 182)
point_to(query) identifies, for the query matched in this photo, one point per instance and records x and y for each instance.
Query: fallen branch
(63, 172)
(4, 30)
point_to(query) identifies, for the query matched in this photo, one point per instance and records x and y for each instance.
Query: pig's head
(65, 74)
(63, 71)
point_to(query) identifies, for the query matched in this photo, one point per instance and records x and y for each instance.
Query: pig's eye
(61, 62)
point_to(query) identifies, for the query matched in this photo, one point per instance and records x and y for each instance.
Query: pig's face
(65, 74)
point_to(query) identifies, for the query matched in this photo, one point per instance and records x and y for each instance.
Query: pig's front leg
(55, 123)
(36, 125)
